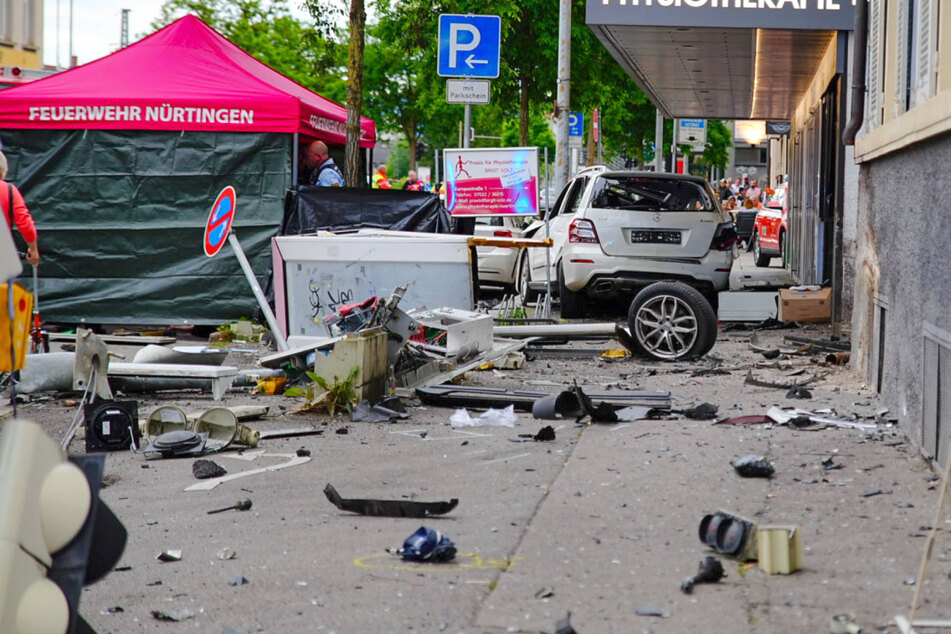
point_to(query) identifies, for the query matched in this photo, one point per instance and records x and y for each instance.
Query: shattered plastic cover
(338, 208)
(121, 218)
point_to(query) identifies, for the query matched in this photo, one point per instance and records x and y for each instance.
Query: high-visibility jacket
(380, 181)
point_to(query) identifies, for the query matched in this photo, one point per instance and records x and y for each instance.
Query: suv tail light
(725, 237)
(582, 231)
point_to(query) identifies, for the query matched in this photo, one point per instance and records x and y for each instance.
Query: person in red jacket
(16, 212)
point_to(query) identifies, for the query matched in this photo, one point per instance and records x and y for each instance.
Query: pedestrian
(754, 192)
(726, 188)
(16, 212)
(380, 181)
(413, 183)
(321, 169)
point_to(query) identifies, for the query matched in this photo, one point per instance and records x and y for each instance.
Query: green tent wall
(121, 218)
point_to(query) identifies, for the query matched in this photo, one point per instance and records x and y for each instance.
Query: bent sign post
(217, 229)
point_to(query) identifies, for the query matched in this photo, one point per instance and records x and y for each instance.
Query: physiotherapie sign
(492, 181)
(780, 14)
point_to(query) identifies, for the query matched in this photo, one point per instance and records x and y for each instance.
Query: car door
(653, 217)
(561, 216)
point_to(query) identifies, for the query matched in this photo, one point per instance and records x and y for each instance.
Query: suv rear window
(650, 194)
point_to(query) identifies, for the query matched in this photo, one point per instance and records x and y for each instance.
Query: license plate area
(653, 236)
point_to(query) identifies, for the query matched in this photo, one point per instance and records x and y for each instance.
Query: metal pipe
(859, 58)
(467, 126)
(558, 330)
(258, 293)
(659, 142)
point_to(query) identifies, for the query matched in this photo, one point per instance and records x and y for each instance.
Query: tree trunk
(413, 142)
(523, 113)
(353, 175)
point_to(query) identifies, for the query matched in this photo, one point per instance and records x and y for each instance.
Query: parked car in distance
(770, 229)
(616, 232)
(497, 264)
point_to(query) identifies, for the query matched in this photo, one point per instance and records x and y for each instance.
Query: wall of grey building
(902, 286)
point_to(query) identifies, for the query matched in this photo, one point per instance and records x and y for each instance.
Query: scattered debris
(545, 593)
(754, 419)
(787, 416)
(838, 358)
(563, 626)
(389, 508)
(651, 611)
(752, 380)
(175, 444)
(830, 464)
(239, 581)
(874, 492)
(179, 614)
(169, 555)
(704, 411)
(779, 549)
(474, 396)
(240, 505)
(844, 623)
(391, 409)
(301, 453)
(798, 391)
(343, 431)
(546, 433)
(710, 571)
(115, 609)
(427, 544)
(490, 418)
(203, 469)
(753, 466)
(225, 554)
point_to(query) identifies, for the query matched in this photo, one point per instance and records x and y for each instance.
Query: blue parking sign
(469, 45)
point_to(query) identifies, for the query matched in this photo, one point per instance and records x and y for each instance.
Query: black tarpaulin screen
(314, 209)
(121, 218)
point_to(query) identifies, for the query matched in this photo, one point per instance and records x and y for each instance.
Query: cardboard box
(805, 305)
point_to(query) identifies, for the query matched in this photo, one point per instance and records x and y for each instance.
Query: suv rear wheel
(670, 321)
(572, 303)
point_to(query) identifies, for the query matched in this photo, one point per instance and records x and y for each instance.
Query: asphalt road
(602, 521)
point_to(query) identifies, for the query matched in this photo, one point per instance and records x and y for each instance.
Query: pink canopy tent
(186, 76)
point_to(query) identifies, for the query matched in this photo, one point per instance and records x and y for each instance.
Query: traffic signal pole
(563, 94)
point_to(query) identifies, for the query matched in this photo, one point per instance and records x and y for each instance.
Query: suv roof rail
(593, 168)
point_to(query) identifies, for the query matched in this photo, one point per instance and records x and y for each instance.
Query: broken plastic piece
(427, 544)
(489, 418)
(389, 508)
(754, 419)
(169, 555)
(798, 391)
(753, 466)
(710, 571)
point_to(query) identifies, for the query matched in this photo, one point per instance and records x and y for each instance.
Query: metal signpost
(217, 229)
(469, 46)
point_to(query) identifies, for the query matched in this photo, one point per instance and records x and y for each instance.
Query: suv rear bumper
(615, 276)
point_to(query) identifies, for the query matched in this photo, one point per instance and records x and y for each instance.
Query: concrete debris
(202, 469)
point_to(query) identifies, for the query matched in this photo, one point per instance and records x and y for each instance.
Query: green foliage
(341, 394)
(266, 29)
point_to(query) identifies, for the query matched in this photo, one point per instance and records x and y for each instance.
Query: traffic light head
(55, 534)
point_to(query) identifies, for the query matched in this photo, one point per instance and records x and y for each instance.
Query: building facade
(21, 34)
(902, 298)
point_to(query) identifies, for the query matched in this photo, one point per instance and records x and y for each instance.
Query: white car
(497, 264)
(616, 232)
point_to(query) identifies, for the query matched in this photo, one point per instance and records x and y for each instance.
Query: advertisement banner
(492, 181)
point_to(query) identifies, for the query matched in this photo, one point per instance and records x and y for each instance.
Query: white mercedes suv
(616, 232)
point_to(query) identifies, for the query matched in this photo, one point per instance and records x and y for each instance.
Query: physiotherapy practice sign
(492, 181)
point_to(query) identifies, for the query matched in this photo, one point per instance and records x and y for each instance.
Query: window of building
(28, 21)
(4, 20)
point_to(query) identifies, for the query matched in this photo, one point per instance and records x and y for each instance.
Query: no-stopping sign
(219, 221)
